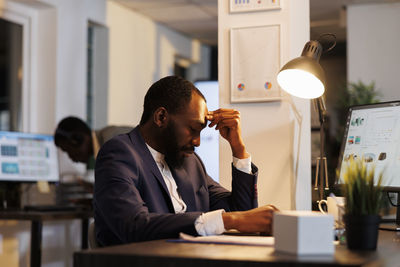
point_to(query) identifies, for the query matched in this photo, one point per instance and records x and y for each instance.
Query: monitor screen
(372, 133)
(28, 157)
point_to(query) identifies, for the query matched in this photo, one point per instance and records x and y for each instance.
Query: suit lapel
(185, 187)
(148, 161)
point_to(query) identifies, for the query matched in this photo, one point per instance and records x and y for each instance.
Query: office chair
(92, 236)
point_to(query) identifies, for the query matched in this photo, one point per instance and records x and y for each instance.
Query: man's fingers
(222, 113)
(223, 118)
(228, 124)
(273, 207)
(224, 123)
(223, 110)
(217, 118)
(230, 120)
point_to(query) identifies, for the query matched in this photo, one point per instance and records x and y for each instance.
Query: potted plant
(364, 198)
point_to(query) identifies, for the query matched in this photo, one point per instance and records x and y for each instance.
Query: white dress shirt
(177, 201)
(209, 223)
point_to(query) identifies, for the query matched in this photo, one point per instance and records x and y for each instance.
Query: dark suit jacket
(132, 202)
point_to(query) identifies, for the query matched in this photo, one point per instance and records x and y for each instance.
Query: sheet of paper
(230, 239)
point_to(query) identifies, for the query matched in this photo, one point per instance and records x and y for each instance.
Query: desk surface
(163, 253)
(44, 215)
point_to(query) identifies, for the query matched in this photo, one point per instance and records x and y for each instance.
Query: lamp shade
(303, 76)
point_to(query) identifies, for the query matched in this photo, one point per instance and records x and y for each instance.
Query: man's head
(74, 137)
(176, 112)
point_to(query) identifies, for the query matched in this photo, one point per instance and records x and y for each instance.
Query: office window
(10, 76)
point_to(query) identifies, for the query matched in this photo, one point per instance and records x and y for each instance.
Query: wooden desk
(163, 253)
(37, 218)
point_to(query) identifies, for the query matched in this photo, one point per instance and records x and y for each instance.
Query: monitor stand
(396, 225)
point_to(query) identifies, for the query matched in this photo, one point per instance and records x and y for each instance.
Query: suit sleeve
(121, 215)
(243, 195)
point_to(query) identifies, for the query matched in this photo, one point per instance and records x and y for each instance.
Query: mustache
(191, 149)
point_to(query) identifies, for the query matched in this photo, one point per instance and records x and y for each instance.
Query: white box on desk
(303, 232)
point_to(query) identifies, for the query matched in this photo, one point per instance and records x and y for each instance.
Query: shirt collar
(157, 156)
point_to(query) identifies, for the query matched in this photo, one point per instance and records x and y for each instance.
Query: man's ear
(160, 117)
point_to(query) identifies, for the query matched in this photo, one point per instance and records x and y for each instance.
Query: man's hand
(254, 220)
(227, 121)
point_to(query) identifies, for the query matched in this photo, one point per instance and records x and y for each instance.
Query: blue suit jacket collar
(148, 161)
(183, 181)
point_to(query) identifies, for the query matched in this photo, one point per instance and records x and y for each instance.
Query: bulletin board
(255, 63)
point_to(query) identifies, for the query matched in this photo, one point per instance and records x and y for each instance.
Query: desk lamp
(304, 77)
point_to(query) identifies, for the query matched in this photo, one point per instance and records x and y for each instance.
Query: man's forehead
(200, 119)
(196, 110)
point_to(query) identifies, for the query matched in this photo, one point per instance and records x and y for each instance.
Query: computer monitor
(372, 132)
(27, 157)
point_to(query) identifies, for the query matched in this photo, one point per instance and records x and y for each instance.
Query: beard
(174, 155)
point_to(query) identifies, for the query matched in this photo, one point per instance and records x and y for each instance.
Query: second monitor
(27, 157)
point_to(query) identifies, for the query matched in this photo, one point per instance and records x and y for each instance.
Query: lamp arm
(319, 105)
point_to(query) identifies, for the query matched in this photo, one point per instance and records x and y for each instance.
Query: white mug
(335, 206)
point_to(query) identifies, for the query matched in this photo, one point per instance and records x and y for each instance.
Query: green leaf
(363, 195)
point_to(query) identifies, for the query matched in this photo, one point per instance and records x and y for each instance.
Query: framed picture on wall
(255, 63)
(236, 6)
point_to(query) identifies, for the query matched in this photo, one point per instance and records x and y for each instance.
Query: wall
(373, 43)
(141, 52)
(270, 130)
(55, 62)
(72, 22)
(58, 60)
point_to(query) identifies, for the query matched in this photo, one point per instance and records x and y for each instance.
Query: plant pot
(361, 231)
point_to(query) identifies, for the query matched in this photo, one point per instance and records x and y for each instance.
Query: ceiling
(199, 18)
(195, 18)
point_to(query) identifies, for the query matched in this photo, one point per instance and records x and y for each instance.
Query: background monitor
(372, 132)
(26, 157)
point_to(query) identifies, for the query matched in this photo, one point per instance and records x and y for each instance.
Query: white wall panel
(270, 130)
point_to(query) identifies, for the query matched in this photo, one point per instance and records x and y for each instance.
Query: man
(82, 144)
(149, 183)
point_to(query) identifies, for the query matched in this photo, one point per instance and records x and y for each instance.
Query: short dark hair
(171, 92)
(71, 129)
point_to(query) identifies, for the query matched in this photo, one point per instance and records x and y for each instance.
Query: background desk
(163, 253)
(37, 219)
